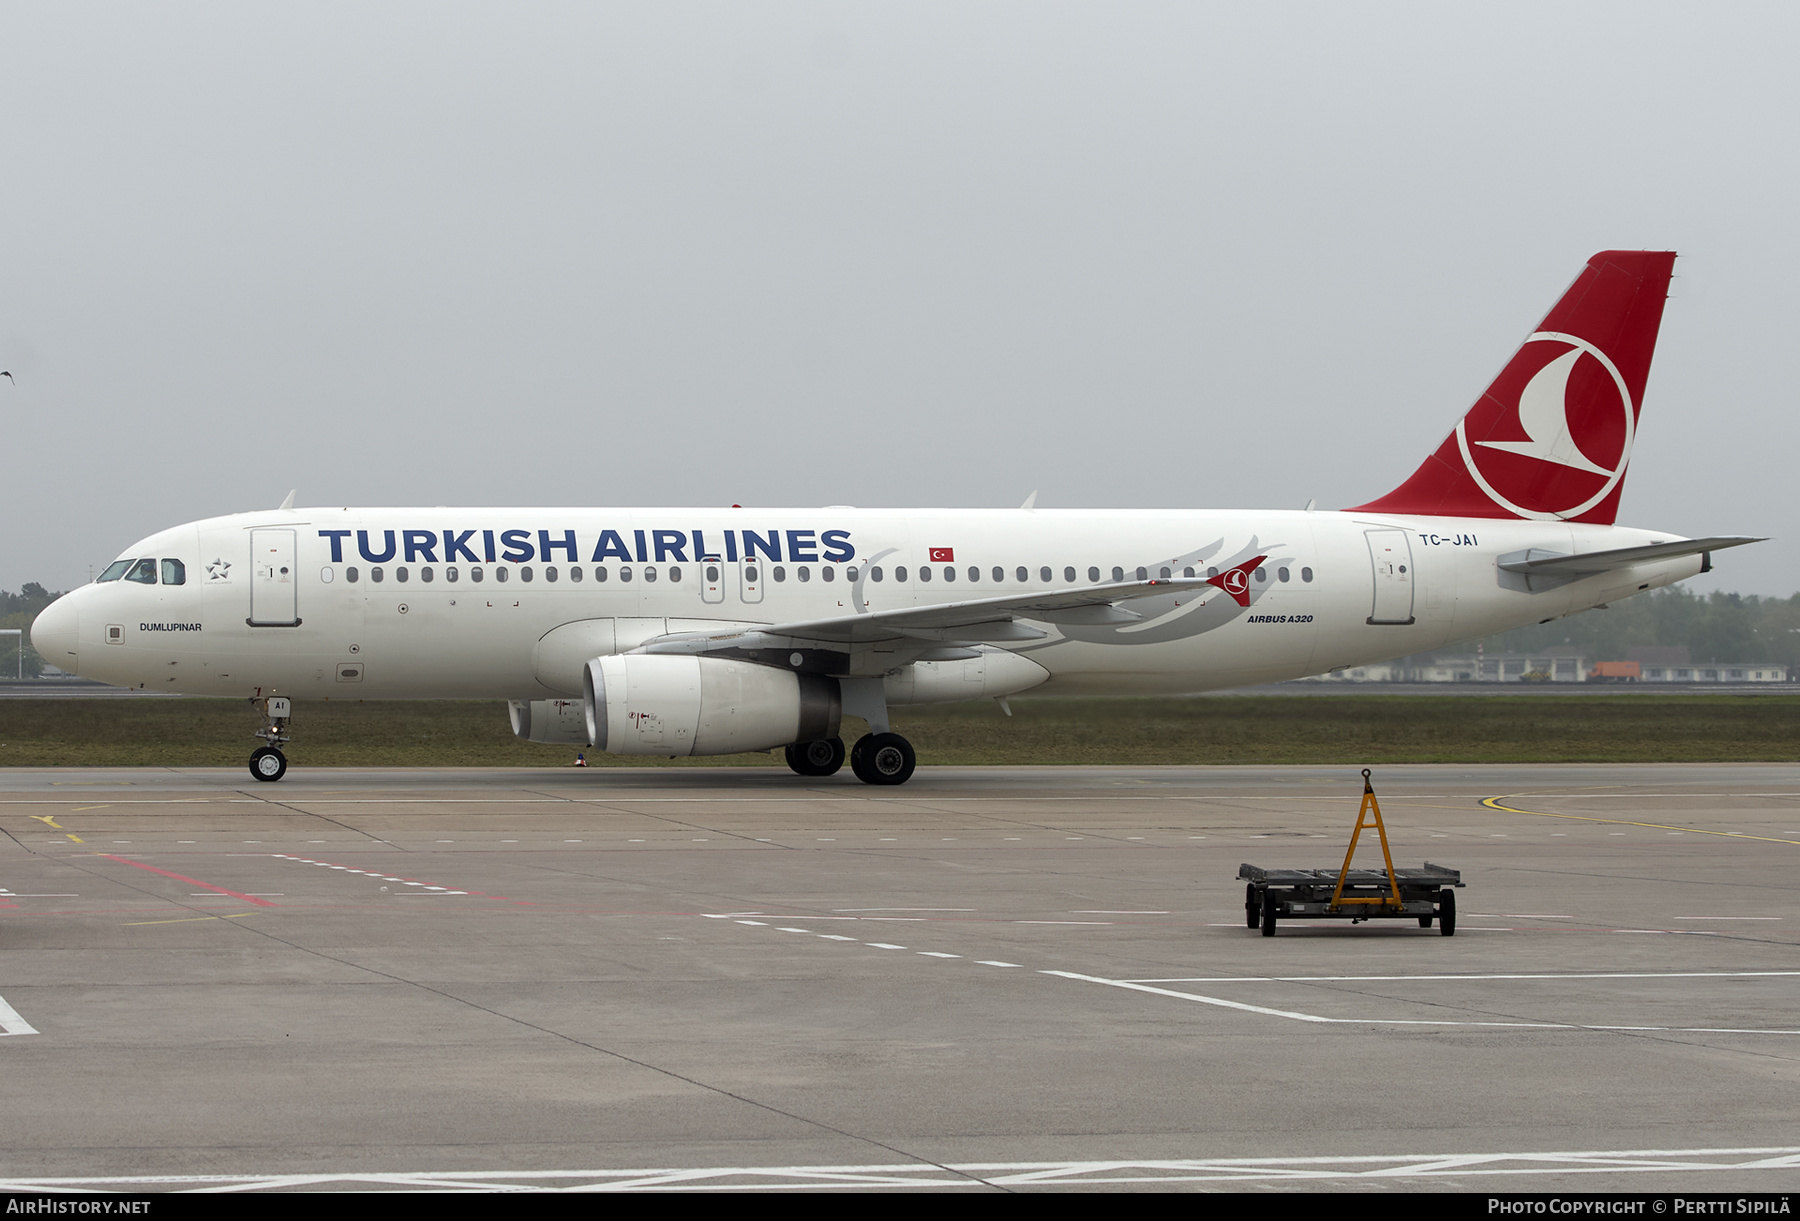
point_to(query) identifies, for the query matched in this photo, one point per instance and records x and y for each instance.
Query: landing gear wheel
(1252, 909)
(267, 763)
(882, 758)
(1447, 912)
(821, 758)
(1269, 912)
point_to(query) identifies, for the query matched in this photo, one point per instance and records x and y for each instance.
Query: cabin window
(174, 572)
(375, 575)
(674, 573)
(425, 574)
(949, 573)
(400, 574)
(143, 572)
(1211, 572)
(1093, 573)
(114, 571)
(1143, 574)
(924, 573)
(1306, 574)
(475, 575)
(850, 574)
(450, 573)
(899, 572)
(525, 572)
(625, 575)
(779, 573)
(712, 574)
(1262, 575)
(828, 573)
(326, 576)
(649, 573)
(803, 572)
(1282, 575)
(550, 573)
(350, 575)
(600, 575)
(975, 573)
(1164, 573)
(1043, 574)
(500, 574)
(1118, 573)
(1000, 574)
(1069, 575)
(575, 574)
(875, 574)
(1188, 571)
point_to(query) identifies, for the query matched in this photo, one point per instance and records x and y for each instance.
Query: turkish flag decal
(943, 555)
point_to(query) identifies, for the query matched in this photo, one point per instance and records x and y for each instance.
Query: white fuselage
(467, 603)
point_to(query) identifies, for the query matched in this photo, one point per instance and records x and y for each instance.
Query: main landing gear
(267, 762)
(821, 758)
(882, 758)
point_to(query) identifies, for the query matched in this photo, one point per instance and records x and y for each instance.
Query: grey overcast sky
(1130, 254)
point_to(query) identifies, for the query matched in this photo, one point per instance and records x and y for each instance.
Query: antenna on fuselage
(289, 502)
(1030, 501)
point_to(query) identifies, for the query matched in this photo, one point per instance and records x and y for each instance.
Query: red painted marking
(191, 881)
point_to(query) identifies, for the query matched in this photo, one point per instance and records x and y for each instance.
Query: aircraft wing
(974, 620)
(1537, 562)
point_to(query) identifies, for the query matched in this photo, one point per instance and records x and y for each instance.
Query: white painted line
(994, 962)
(1728, 917)
(1310, 979)
(937, 954)
(883, 945)
(793, 930)
(11, 1023)
(1098, 923)
(1379, 1168)
(833, 937)
(1293, 1015)
(757, 923)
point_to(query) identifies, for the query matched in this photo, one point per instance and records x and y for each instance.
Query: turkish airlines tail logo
(1551, 438)
(1236, 581)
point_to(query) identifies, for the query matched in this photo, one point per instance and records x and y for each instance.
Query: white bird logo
(1544, 415)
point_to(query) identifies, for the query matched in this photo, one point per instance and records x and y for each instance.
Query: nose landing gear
(267, 762)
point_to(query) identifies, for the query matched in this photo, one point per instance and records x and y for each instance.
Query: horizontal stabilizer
(1546, 563)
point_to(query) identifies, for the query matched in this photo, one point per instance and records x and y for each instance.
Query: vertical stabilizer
(1551, 438)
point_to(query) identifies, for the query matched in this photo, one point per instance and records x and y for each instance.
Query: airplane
(691, 631)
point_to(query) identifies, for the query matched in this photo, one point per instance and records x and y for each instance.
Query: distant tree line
(1716, 628)
(18, 610)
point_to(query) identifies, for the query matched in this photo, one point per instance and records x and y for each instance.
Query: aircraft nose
(53, 634)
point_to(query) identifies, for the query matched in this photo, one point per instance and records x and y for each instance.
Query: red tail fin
(1552, 436)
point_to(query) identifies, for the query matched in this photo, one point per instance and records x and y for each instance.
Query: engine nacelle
(667, 704)
(560, 722)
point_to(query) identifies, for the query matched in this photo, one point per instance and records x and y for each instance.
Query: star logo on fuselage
(218, 570)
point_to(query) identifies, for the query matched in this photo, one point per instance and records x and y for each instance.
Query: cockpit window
(174, 572)
(143, 572)
(114, 571)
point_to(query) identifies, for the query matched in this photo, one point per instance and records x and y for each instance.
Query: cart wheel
(1252, 909)
(1268, 913)
(1447, 912)
(1424, 921)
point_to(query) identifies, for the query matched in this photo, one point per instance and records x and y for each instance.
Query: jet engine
(558, 721)
(665, 704)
